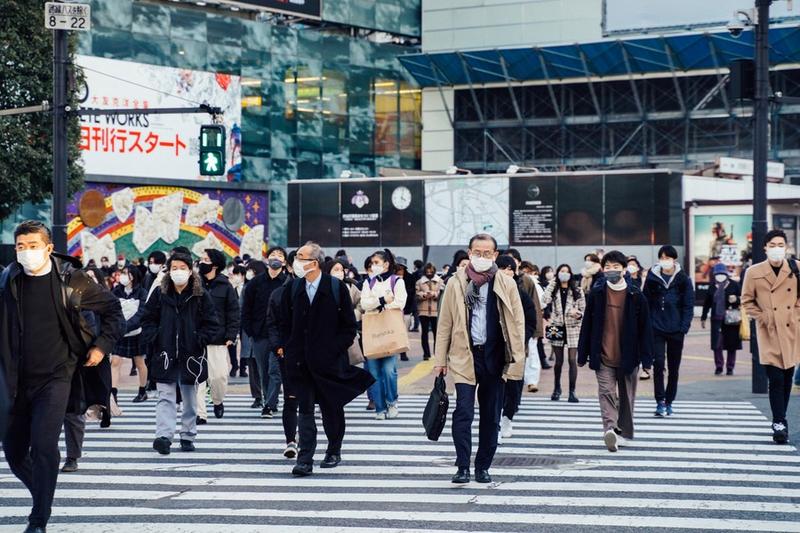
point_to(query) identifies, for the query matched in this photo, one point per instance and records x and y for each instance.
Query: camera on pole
(212, 150)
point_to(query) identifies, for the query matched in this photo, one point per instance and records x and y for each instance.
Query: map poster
(533, 211)
(361, 214)
(458, 208)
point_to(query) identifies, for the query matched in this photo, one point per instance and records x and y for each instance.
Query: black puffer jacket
(180, 326)
(256, 300)
(226, 303)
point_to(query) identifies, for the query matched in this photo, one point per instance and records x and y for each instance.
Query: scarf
(476, 281)
(588, 275)
(621, 286)
(719, 301)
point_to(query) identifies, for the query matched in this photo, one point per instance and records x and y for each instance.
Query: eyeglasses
(485, 255)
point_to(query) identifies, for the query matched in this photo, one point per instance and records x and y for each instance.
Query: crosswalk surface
(712, 466)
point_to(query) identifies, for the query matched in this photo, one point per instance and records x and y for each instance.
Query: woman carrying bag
(568, 305)
(383, 291)
(723, 300)
(428, 288)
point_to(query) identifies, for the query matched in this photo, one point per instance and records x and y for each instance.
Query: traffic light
(212, 150)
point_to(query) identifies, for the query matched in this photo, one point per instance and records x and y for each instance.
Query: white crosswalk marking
(710, 467)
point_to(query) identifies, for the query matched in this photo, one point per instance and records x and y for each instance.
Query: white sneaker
(394, 412)
(506, 428)
(611, 440)
(380, 416)
(622, 441)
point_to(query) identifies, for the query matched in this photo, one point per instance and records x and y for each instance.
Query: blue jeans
(384, 391)
(269, 373)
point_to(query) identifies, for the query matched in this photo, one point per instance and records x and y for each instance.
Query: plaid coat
(558, 315)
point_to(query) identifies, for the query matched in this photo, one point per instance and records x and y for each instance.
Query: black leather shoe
(546, 366)
(256, 404)
(302, 470)
(70, 465)
(556, 395)
(331, 461)
(219, 410)
(187, 446)
(105, 418)
(201, 421)
(461, 477)
(162, 445)
(482, 476)
(572, 397)
(35, 529)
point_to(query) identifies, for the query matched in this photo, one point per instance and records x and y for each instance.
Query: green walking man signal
(212, 150)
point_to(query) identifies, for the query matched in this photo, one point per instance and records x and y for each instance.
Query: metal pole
(760, 149)
(60, 161)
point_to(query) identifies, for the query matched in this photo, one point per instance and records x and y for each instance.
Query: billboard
(155, 146)
(727, 237)
(138, 219)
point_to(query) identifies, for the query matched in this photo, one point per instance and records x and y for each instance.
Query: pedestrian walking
(460, 262)
(428, 289)
(723, 303)
(410, 309)
(481, 341)
(383, 291)
(592, 273)
(155, 265)
(181, 321)
(616, 337)
(770, 296)
(226, 305)
(567, 307)
(670, 296)
(530, 285)
(47, 353)
(254, 323)
(318, 326)
(132, 297)
(634, 272)
(236, 278)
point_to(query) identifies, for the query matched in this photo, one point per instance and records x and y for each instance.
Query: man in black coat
(47, 350)
(317, 327)
(226, 303)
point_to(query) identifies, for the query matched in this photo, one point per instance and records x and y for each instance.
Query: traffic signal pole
(60, 157)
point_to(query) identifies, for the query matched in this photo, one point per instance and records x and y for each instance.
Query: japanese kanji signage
(155, 146)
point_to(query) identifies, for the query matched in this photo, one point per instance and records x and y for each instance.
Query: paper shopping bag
(384, 334)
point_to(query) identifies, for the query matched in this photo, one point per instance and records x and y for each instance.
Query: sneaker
(233, 372)
(780, 433)
(644, 375)
(533, 388)
(371, 406)
(70, 465)
(621, 441)
(393, 412)
(669, 410)
(291, 451)
(141, 397)
(162, 445)
(661, 410)
(266, 412)
(256, 404)
(219, 410)
(612, 440)
(380, 416)
(718, 372)
(187, 446)
(506, 427)
(729, 372)
(242, 373)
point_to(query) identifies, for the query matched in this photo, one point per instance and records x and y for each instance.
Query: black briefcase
(435, 415)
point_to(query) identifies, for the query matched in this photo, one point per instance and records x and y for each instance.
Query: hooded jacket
(671, 302)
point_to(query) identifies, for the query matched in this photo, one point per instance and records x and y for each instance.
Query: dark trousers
(669, 347)
(540, 349)
(74, 431)
(490, 390)
(31, 444)
(512, 398)
(427, 323)
(254, 378)
(780, 390)
(290, 405)
(333, 422)
(232, 357)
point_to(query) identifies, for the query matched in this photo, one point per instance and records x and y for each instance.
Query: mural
(136, 220)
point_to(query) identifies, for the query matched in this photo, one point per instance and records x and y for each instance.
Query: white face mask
(633, 269)
(564, 277)
(155, 268)
(299, 268)
(338, 275)
(776, 254)
(589, 264)
(32, 260)
(376, 270)
(481, 264)
(121, 263)
(179, 277)
(667, 264)
(720, 278)
(124, 280)
(249, 275)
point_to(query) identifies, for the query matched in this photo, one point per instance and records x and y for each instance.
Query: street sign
(76, 17)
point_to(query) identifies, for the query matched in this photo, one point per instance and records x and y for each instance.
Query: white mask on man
(155, 268)
(32, 260)
(776, 254)
(481, 264)
(180, 277)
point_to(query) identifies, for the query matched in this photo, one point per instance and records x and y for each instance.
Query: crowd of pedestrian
(300, 326)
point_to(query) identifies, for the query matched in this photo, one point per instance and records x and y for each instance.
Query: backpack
(299, 284)
(796, 274)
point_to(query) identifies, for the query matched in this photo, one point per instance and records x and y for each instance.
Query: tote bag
(384, 334)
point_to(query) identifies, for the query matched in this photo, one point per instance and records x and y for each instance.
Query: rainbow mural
(119, 231)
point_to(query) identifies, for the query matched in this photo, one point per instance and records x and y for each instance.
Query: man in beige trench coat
(770, 296)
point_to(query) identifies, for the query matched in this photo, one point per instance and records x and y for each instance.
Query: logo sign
(360, 199)
(744, 167)
(77, 17)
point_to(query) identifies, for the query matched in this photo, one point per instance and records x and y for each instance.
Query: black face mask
(205, 268)
(613, 276)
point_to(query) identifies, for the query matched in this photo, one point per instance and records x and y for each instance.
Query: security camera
(736, 27)
(742, 18)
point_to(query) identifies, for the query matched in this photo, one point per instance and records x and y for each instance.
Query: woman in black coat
(723, 336)
(132, 297)
(181, 321)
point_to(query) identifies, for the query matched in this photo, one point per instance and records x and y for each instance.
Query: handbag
(744, 327)
(354, 353)
(533, 368)
(556, 333)
(733, 317)
(434, 417)
(384, 334)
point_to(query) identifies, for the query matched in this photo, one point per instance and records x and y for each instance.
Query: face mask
(564, 277)
(549, 276)
(155, 268)
(205, 268)
(720, 278)
(338, 275)
(275, 264)
(589, 264)
(236, 280)
(32, 260)
(124, 280)
(121, 264)
(613, 276)
(776, 254)
(299, 268)
(633, 269)
(376, 270)
(481, 264)
(179, 277)
(249, 275)
(666, 264)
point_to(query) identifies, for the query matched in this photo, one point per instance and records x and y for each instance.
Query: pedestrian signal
(212, 150)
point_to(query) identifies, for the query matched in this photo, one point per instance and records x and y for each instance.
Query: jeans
(669, 346)
(384, 370)
(269, 373)
(31, 444)
(167, 410)
(797, 375)
(333, 422)
(490, 389)
(427, 323)
(780, 390)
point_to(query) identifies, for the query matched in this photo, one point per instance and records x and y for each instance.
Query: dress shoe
(371, 406)
(201, 421)
(257, 404)
(141, 397)
(242, 373)
(187, 446)
(302, 470)
(70, 465)
(35, 529)
(461, 477)
(162, 445)
(546, 365)
(219, 410)
(482, 476)
(331, 461)
(105, 418)
(556, 395)
(572, 397)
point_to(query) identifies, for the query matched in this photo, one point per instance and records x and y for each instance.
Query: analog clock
(401, 198)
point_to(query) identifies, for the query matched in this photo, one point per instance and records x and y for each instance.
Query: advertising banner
(720, 238)
(155, 146)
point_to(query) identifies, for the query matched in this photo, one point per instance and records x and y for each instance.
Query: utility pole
(760, 149)
(60, 161)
